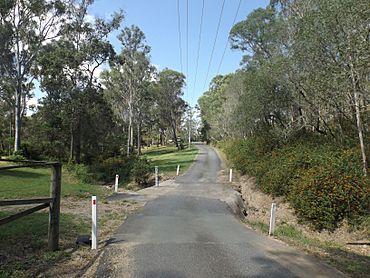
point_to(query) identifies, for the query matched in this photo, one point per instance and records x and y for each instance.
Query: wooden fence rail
(53, 202)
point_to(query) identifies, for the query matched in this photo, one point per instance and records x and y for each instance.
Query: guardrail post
(54, 210)
(272, 219)
(156, 176)
(94, 226)
(116, 183)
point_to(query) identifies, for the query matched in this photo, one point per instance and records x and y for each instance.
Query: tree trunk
(128, 140)
(71, 146)
(78, 144)
(358, 121)
(175, 136)
(139, 139)
(18, 119)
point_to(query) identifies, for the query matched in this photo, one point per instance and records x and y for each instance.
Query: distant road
(189, 233)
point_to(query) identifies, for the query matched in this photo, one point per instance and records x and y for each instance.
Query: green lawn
(35, 182)
(167, 158)
(23, 244)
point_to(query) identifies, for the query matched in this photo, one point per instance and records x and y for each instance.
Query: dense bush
(331, 191)
(323, 181)
(141, 171)
(106, 170)
(81, 172)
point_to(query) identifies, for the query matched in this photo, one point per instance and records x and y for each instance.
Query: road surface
(189, 232)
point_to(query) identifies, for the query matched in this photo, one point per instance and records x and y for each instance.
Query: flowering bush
(322, 181)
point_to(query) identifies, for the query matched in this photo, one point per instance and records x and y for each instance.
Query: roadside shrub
(322, 180)
(81, 172)
(17, 156)
(331, 191)
(106, 170)
(141, 171)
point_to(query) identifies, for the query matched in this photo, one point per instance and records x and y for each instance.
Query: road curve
(188, 232)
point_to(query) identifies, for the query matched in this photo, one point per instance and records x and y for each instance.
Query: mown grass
(35, 182)
(350, 263)
(23, 244)
(167, 158)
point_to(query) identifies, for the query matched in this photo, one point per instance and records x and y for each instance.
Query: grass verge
(35, 182)
(167, 158)
(353, 264)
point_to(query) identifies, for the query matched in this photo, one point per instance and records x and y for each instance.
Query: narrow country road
(189, 232)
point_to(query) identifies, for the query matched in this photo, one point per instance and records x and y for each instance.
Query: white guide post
(231, 175)
(178, 170)
(156, 176)
(272, 219)
(116, 184)
(94, 227)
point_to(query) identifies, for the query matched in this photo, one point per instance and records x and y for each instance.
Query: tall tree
(68, 69)
(128, 79)
(171, 106)
(28, 26)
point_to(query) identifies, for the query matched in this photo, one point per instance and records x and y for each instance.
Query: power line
(187, 47)
(199, 43)
(223, 54)
(214, 43)
(179, 31)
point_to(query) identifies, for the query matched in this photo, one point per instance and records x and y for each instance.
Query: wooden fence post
(54, 211)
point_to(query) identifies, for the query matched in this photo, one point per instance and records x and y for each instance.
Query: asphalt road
(188, 232)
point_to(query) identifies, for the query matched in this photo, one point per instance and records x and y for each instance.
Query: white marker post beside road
(156, 176)
(178, 170)
(116, 183)
(94, 227)
(231, 175)
(272, 219)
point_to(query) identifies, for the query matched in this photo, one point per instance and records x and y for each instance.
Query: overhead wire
(199, 44)
(187, 48)
(179, 31)
(214, 43)
(227, 41)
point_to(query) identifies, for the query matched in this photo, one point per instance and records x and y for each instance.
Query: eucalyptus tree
(171, 106)
(26, 25)
(212, 107)
(335, 62)
(126, 83)
(68, 70)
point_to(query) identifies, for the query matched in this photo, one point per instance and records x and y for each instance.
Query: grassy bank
(167, 158)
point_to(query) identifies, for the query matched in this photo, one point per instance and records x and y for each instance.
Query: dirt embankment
(258, 207)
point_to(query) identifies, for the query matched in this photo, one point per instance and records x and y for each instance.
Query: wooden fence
(53, 202)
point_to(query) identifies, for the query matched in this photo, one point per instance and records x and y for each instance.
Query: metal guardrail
(52, 202)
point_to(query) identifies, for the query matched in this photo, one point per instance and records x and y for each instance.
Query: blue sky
(158, 20)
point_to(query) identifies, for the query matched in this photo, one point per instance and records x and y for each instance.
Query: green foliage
(17, 156)
(322, 181)
(141, 171)
(331, 190)
(106, 170)
(80, 171)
